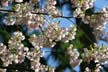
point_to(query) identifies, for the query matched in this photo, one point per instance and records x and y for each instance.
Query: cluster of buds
(84, 4)
(16, 48)
(96, 20)
(81, 7)
(52, 34)
(17, 52)
(99, 55)
(74, 54)
(3, 54)
(51, 9)
(34, 21)
(25, 13)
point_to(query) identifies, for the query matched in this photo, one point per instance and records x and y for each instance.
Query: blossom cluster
(51, 9)
(85, 4)
(97, 54)
(95, 20)
(27, 13)
(52, 34)
(81, 6)
(85, 11)
(74, 56)
(17, 52)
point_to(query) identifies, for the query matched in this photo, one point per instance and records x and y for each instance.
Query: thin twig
(55, 16)
(7, 10)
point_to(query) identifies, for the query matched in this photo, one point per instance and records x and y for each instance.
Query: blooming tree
(73, 46)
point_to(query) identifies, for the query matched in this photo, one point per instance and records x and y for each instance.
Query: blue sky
(100, 4)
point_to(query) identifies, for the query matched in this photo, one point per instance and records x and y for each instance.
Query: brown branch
(55, 16)
(7, 10)
(14, 68)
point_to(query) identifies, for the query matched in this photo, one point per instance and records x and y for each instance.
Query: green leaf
(1, 63)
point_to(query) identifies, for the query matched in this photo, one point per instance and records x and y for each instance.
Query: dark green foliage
(83, 65)
(27, 43)
(36, 5)
(25, 66)
(1, 62)
(89, 12)
(11, 28)
(59, 52)
(76, 42)
(5, 36)
(11, 67)
(84, 38)
(84, 35)
(43, 61)
(6, 32)
(91, 65)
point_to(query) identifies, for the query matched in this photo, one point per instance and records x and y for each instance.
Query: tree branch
(4, 10)
(55, 16)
